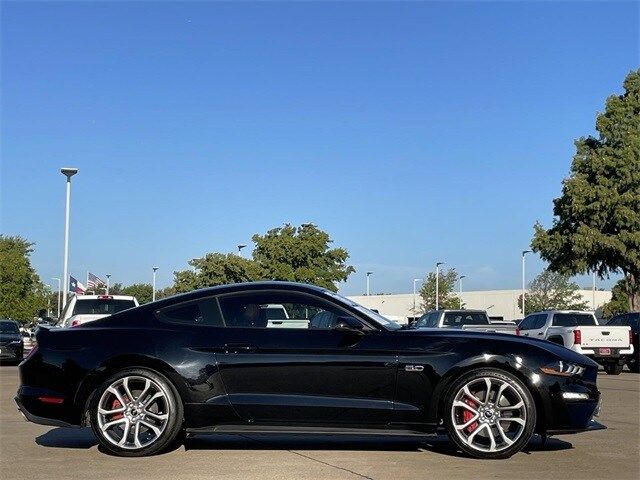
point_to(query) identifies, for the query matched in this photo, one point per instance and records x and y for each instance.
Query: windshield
(458, 319)
(385, 322)
(573, 320)
(101, 306)
(8, 327)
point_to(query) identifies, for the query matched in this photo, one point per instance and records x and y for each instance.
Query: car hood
(9, 337)
(553, 348)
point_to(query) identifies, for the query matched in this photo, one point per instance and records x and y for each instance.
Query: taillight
(75, 323)
(577, 337)
(517, 331)
(51, 399)
(630, 336)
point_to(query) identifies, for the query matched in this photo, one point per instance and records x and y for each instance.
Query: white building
(498, 303)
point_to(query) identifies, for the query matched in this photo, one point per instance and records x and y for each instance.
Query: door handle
(239, 348)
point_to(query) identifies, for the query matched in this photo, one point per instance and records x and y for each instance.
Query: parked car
(278, 317)
(476, 320)
(87, 308)
(580, 332)
(201, 362)
(629, 320)
(11, 343)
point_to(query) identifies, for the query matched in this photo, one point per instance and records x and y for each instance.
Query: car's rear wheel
(613, 368)
(633, 365)
(136, 412)
(490, 414)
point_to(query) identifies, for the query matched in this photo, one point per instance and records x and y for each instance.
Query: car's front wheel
(136, 412)
(489, 414)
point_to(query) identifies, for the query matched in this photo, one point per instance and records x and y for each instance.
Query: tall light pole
(59, 294)
(67, 172)
(593, 291)
(414, 293)
(48, 300)
(240, 247)
(461, 277)
(524, 253)
(437, 282)
(108, 283)
(153, 296)
(368, 275)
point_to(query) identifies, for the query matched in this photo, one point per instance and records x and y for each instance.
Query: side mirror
(349, 324)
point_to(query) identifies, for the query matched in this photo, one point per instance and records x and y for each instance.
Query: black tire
(633, 366)
(501, 376)
(613, 368)
(172, 435)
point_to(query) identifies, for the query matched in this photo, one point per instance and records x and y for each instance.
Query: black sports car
(276, 356)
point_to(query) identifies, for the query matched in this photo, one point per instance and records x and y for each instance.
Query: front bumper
(11, 351)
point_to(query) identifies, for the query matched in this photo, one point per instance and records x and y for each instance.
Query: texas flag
(75, 286)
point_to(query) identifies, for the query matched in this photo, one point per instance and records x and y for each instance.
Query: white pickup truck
(476, 320)
(580, 332)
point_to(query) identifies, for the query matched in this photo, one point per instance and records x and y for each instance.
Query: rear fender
(93, 380)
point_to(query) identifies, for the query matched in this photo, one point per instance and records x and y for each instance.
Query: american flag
(93, 281)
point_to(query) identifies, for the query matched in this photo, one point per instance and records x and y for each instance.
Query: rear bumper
(30, 417)
(30, 403)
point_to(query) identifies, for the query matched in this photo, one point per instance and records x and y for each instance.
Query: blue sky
(412, 132)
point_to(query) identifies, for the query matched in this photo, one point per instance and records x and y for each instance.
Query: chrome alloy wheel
(488, 414)
(133, 412)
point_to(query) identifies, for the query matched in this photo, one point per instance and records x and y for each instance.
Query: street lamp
(461, 277)
(67, 172)
(524, 253)
(437, 281)
(59, 294)
(48, 299)
(240, 247)
(414, 293)
(153, 296)
(108, 283)
(368, 275)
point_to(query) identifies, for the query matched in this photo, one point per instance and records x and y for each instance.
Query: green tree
(142, 291)
(619, 302)
(446, 286)
(22, 293)
(301, 254)
(553, 291)
(597, 218)
(216, 269)
(297, 254)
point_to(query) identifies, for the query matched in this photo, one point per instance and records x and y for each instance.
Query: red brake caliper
(116, 404)
(467, 415)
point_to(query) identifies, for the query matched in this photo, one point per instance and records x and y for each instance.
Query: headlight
(563, 369)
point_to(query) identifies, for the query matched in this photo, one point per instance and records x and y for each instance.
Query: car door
(303, 376)
(526, 325)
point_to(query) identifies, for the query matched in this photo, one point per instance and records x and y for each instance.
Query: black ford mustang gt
(286, 357)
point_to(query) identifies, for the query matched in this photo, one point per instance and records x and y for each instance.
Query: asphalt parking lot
(29, 451)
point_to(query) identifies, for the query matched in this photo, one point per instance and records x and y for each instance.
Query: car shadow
(83, 438)
(68, 438)
(438, 444)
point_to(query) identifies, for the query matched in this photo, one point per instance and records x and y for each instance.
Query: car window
(455, 319)
(539, 321)
(199, 312)
(9, 327)
(423, 321)
(573, 319)
(101, 306)
(617, 321)
(247, 310)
